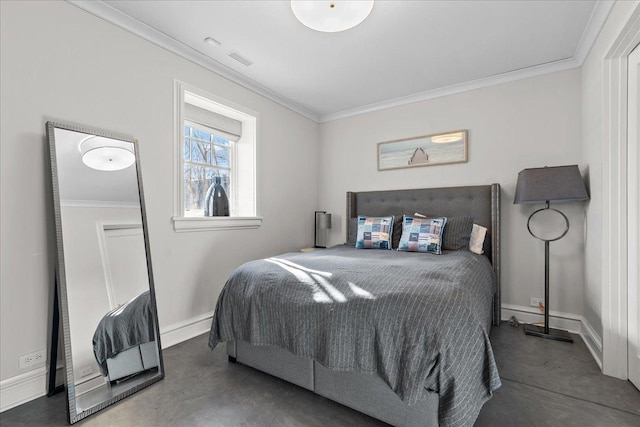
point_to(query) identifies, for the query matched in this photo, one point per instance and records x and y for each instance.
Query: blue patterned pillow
(422, 234)
(374, 232)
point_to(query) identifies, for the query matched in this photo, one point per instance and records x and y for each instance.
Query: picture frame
(427, 150)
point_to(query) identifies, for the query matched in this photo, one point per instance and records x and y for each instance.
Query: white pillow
(477, 239)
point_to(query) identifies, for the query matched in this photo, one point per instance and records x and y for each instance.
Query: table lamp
(322, 223)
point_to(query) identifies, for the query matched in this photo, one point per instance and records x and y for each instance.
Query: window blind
(225, 126)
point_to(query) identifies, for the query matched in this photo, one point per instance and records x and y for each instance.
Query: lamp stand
(546, 331)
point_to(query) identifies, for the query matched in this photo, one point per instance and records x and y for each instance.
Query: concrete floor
(544, 383)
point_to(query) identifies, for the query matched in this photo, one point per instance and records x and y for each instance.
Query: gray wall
(528, 123)
(59, 62)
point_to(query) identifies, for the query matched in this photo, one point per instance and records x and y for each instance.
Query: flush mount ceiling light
(447, 137)
(212, 41)
(331, 16)
(106, 154)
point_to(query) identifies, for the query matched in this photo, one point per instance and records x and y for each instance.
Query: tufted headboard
(482, 202)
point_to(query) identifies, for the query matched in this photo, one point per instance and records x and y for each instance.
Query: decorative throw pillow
(422, 234)
(397, 233)
(476, 243)
(457, 233)
(374, 232)
(353, 231)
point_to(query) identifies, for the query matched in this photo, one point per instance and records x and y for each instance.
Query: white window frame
(182, 223)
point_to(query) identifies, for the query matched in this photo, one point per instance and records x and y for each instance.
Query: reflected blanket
(419, 321)
(124, 327)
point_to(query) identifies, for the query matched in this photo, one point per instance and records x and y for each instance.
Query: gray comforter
(122, 328)
(419, 321)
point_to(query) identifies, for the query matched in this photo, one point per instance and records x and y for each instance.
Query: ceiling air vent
(241, 59)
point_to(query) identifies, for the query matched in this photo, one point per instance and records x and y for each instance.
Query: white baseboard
(22, 388)
(573, 323)
(565, 321)
(592, 340)
(185, 330)
(89, 383)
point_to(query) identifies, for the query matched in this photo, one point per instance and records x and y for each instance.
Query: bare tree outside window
(206, 156)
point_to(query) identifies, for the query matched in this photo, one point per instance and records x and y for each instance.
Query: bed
(124, 340)
(400, 336)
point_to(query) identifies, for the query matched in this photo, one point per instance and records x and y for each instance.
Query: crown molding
(114, 16)
(598, 17)
(102, 10)
(510, 76)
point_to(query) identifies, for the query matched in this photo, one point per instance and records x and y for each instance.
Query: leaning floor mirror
(106, 300)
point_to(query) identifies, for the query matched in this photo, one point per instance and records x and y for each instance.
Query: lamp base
(554, 334)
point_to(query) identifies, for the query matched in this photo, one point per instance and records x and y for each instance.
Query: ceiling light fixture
(212, 41)
(106, 154)
(331, 16)
(447, 137)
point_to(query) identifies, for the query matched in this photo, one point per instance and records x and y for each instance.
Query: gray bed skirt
(365, 393)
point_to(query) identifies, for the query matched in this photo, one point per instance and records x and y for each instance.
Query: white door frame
(614, 190)
(633, 216)
(127, 228)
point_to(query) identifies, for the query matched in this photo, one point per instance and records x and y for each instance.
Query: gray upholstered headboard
(482, 202)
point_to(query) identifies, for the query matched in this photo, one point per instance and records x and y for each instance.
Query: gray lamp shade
(550, 184)
(324, 221)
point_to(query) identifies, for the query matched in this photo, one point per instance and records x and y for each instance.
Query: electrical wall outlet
(37, 358)
(536, 302)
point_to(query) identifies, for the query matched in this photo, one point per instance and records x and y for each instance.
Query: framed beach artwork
(427, 150)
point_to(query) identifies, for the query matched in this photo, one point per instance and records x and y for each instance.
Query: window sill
(186, 224)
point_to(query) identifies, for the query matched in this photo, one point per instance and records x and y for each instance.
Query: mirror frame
(61, 283)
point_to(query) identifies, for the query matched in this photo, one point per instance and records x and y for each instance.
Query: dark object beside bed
(441, 364)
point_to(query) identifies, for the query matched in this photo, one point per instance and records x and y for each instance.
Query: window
(214, 138)
(206, 156)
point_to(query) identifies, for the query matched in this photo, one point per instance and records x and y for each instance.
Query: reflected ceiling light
(447, 137)
(331, 16)
(106, 154)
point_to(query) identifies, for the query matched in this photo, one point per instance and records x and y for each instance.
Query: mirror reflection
(112, 326)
